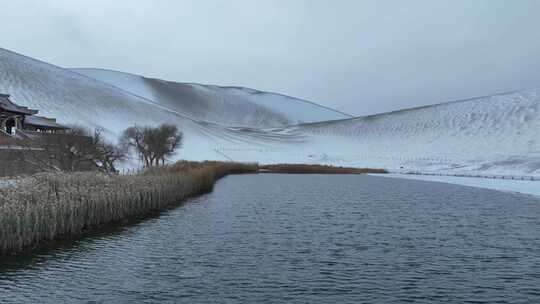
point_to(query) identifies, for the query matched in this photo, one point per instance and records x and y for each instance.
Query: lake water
(302, 239)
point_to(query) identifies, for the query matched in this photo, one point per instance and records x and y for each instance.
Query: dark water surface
(302, 239)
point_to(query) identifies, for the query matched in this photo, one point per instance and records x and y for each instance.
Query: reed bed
(316, 169)
(47, 207)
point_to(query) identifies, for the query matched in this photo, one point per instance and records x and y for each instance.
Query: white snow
(297, 110)
(7, 183)
(506, 185)
(73, 98)
(232, 106)
(125, 81)
(489, 135)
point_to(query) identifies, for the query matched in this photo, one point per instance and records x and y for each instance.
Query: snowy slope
(496, 134)
(76, 99)
(232, 106)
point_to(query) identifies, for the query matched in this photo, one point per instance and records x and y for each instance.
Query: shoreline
(316, 169)
(167, 187)
(48, 208)
(527, 187)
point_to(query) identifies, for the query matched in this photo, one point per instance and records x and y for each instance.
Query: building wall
(12, 164)
(6, 140)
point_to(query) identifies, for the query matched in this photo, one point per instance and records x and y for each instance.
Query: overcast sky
(361, 57)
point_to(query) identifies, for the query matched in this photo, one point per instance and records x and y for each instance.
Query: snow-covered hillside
(73, 98)
(231, 106)
(497, 134)
(493, 135)
(489, 135)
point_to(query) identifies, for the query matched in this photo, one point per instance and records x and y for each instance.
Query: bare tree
(169, 140)
(153, 144)
(134, 138)
(105, 155)
(75, 150)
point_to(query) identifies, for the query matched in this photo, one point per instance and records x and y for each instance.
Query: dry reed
(47, 207)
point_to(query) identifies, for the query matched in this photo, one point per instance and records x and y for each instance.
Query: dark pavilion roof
(30, 119)
(44, 122)
(9, 106)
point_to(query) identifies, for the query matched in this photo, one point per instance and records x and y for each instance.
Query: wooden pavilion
(15, 118)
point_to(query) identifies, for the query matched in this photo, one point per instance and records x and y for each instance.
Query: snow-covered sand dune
(231, 106)
(73, 98)
(492, 135)
(496, 134)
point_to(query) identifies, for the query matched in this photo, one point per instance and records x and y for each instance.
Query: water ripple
(302, 239)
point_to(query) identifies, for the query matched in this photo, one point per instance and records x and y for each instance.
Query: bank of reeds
(316, 169)
(47, 207)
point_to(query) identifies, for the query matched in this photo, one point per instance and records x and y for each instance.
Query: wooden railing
(4, 133)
